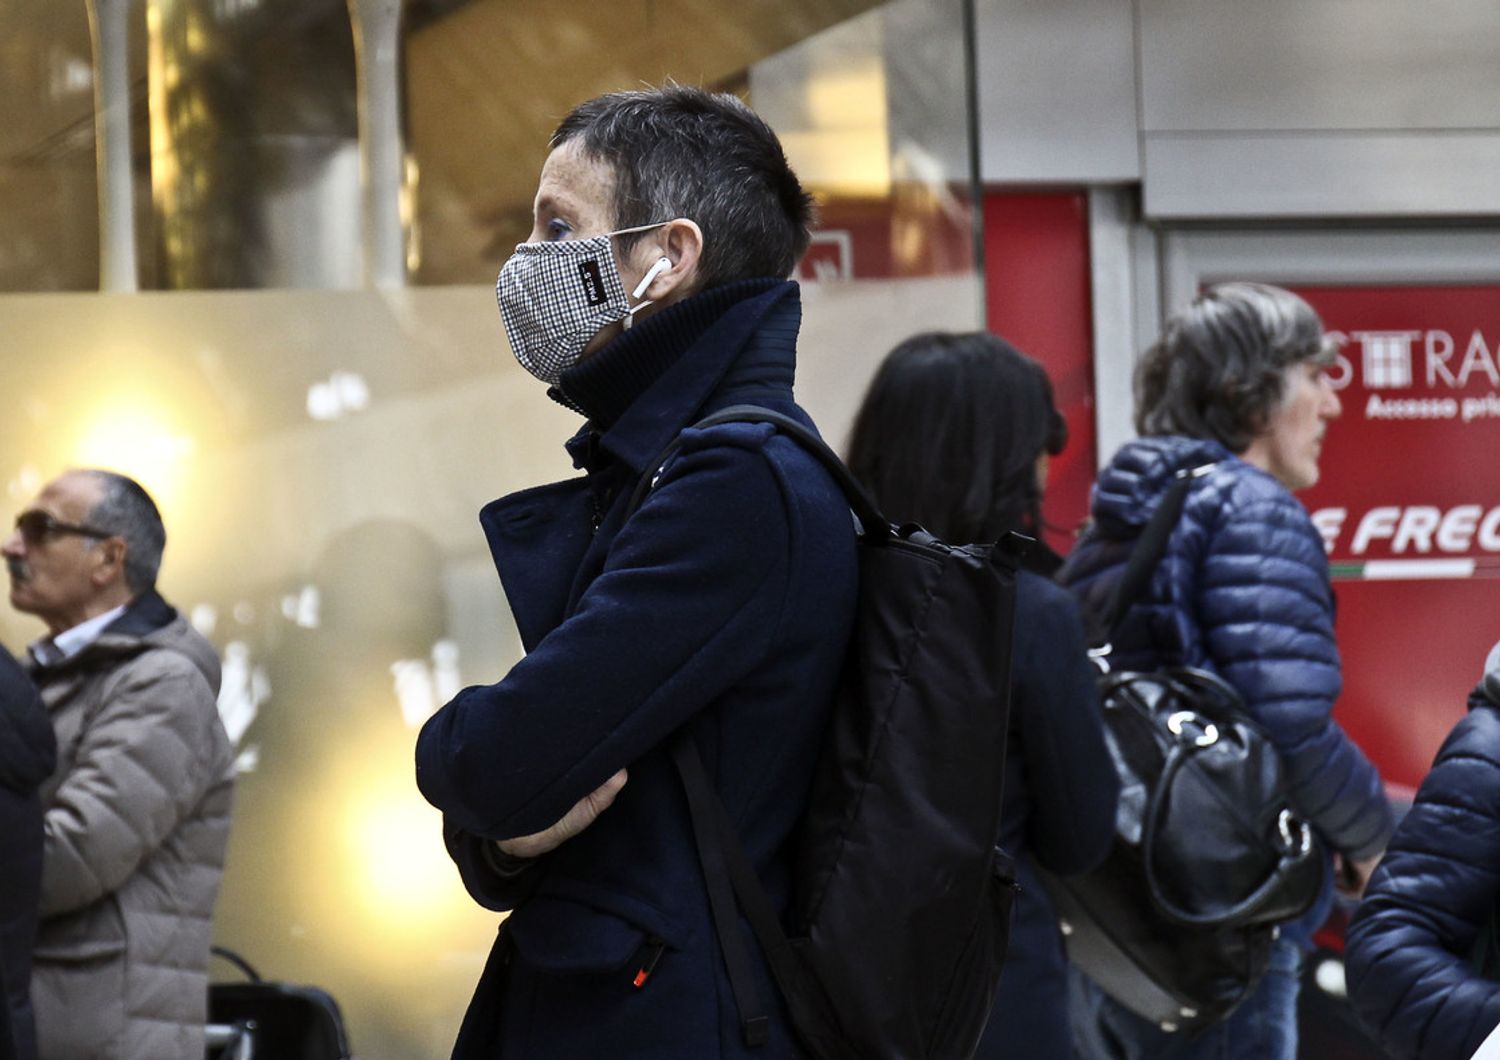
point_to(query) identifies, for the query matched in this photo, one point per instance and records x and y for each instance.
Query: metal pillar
(109, 27)
(254, 144)
(377, 26)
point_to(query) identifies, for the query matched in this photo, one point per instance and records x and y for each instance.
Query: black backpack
(1209, 857)
(901, 898)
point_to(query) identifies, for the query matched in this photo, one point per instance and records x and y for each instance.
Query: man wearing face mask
(651, 294)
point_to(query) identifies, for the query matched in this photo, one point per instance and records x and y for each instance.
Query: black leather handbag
(1209, 856)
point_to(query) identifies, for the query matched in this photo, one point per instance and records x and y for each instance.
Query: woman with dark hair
(958, 428)
(954, 434)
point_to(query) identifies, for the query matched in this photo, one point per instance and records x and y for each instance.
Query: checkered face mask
(555, 297)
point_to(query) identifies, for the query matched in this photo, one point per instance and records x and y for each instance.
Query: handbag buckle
(1208, 732)
(1302, 842)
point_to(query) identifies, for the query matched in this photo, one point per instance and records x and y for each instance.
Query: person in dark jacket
(1433, 901)
(954, 434)
(723, 603)
(28, 754)
(1236, 394)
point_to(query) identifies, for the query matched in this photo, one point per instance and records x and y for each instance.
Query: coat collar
(143, 616)
(146, 614)
(740, 339)
(1140, 474)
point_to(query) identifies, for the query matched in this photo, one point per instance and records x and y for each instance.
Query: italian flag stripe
(1418, 569)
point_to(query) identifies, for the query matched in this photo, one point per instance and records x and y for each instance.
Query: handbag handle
(1183, 748)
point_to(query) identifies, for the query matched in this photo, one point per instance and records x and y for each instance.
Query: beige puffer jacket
(137, 823)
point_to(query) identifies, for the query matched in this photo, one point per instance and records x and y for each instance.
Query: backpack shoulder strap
(722, 859)
(1149, 549)
(873, 523)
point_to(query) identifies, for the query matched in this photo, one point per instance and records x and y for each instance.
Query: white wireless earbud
(661, 266)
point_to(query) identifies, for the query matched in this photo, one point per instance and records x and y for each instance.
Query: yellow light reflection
(849, 98)
(399, 861)
(165, 73)
(854, 163)
(136, 437)
(379, 884)
(844, 145)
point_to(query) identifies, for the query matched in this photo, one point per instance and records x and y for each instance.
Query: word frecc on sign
(1416, 529)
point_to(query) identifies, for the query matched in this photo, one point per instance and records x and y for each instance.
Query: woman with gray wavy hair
(1222, 369)
(1236, 395)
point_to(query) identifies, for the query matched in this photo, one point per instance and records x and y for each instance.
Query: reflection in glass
(320, 455)
(872, 116)
(254, 149)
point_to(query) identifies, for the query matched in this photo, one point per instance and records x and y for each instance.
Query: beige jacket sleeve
(144, 762)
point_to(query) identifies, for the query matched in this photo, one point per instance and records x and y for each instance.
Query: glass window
(320, 453)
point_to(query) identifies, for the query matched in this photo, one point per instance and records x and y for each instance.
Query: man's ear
(681, 243)
(109, 562)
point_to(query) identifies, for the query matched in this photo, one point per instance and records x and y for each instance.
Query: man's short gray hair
(1218, 370)
(126, 509)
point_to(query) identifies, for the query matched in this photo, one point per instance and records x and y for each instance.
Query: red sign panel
(1038, 296)
(1409, 507)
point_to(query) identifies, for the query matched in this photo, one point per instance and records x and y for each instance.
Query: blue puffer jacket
(1243, 591)
(1436, 889)
(723, 603)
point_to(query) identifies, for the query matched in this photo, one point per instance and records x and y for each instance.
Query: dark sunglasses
(35, 526)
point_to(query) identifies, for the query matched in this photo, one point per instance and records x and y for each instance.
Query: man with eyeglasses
(137, 810)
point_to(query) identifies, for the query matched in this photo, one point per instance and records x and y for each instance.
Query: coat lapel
(540, 538)
(537, 539)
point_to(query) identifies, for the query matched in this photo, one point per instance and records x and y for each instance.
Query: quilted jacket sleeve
(688, 601)
(143, 764)
(1265, 610)
(1437, 887)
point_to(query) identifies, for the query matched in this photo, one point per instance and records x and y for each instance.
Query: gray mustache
(17, 569)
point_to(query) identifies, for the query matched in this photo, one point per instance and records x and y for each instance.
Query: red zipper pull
(649, 965)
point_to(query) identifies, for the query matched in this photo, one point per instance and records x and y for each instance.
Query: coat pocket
(564, 936)
(78, 982)
(95, 933)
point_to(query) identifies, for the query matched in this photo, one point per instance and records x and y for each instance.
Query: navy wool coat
(1242, 590)
(1435, 891)
(724, 603)
(1059, 811)
(28, 754)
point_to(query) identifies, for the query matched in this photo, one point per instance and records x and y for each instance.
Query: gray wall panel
(1057, 91)
(1323, 175)
(1310, 256)
(1320, 64)
(1320, 108)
